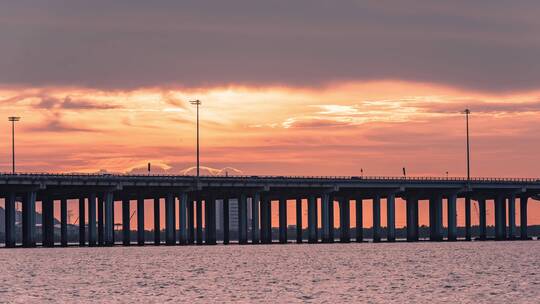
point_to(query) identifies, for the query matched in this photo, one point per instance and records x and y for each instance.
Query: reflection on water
(401, 272)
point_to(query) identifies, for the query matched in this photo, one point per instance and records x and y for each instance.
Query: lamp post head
(14, 118)
(466, 111)
(195, 102)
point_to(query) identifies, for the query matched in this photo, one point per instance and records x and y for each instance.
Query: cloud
(55, 124)
(198, 43)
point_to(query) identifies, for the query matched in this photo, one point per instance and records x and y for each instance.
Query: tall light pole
(13, 119)
(467, 112)
(197, 103)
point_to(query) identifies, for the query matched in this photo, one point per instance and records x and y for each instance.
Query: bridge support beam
(140, 221)
(210, 221)
(226, 227)
(100, 217)
(435, 218)
(376, 219)
(499, 218)
(325, 205)
(523, 217)
(10, 219)
(359, 221)
(191, 220)
(63, 223)
(242, 220)
(299, 238)
(182, 221)
(482, 219)
(312, 219)
(255, 207)
(92, 219)
(264, 220)
(199, 239)
(157, 221)
(47, 222)
(331, 204)
(170, 221)
(126, 228)
(504, 218)
(511, 216)
(467, 218)
(109, 219)
(29, 220)
(391, 218)
(411, 206)
(452, 217)
(82, 223)
(344, 220)
(283, 220)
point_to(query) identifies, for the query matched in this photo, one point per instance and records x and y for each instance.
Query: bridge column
(82, 223)
(416, 217)
(467, 218)
(312, 219)
(63, 223)
(411, 219)
(92, 219)
(344, 220)
(108, 236)
(331, 219)
(503, 219)
(29, 220)
(359, 221)
(100, 216)
(210, 221)
(242, 219)
(126, 229)
(325, 204)
(435, 218)
(264, 224)
(391, 217)
(511, 216)
(299, 220)
(226, 227)
(47, 222)
(499, 204)
(376, 219)
(452, 217)
(199, 239)
(140, 221)
(182, 213)
(10, 219)
(523, 217)
(191, 220)
(283, 220)
(157, 221)
(170, 221)
(255, 230)
(482, 219)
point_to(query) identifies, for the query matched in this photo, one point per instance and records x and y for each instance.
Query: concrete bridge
(185, 196)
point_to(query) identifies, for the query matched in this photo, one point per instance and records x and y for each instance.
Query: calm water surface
(485, 272)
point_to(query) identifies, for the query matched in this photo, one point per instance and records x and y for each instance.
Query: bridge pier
(511, 216)
(467, 218)
(157, 221)
(10, 219)
(325, 206)
(242, 220)
(108, 234)
(255, 231)
(312, 219)
(523, 217)
(344, 220)
(499, 217)
(359, 221)
(100, 216)
(199, 238)
(412, 219)
(191, 220)
(29, 220)
(170, 221)
(182, 221)
(482, 219)
(452, 217)
(63, 223)
(210, 221)
(299, 238)
(391, 218)
(331, 219)
(140, 221)
(226, 227)
(92, 219)
(47, 222)
(264, 222)
(283, 220)
(82, 222)
(126, 229)
(376, 219)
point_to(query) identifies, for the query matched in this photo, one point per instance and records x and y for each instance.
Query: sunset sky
(287, 87)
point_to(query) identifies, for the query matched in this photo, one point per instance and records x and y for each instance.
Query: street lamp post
(13, 119)
(467, 112)
(467, 198)
(197, 103)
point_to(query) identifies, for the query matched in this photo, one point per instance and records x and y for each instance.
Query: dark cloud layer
(483, 45)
